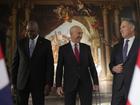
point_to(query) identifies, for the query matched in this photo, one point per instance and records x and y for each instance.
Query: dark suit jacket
(38, 70)
(72, 70)
(123, 79)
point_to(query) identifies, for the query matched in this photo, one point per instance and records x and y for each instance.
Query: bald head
(76, 33)
(73, 28)
(32, 29)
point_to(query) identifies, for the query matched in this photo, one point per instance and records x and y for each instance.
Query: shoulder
(117, 47)
(65, 45)
(137, 38)
(43, 39)
(22, 41)
(118, 44)
(84, 45)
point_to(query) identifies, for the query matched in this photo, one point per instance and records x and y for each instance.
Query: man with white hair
(76, 67)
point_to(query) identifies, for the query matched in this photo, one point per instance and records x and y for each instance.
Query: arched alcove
(61, 36)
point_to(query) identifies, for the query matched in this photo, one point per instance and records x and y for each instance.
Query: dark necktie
(125, 48)
(31, 47)
(77, 53)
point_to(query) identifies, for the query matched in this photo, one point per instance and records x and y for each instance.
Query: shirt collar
(131, 39)
(35, 39)
(73, 44)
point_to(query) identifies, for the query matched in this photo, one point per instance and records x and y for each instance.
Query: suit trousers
(85, 95)
(118, 97)
(37, 95)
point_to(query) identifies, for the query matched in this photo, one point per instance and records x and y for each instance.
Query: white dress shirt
(131, 40)
(73, 46)
(35, 41)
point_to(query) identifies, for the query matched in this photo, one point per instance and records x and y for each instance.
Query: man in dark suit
(123, 59)
(32, 67)
(76, 67)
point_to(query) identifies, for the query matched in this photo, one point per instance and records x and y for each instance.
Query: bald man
(32, 67)
(76, 68)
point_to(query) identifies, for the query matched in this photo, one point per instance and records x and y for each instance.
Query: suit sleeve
(50, 66)
(112, 60)
(59, 70)
(93, 70)
(14, 67)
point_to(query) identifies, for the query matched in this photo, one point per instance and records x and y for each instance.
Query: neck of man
(33, 37)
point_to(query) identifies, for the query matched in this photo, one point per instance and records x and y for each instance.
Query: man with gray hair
(122, 62)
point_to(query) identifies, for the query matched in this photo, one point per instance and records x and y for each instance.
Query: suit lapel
(38, 45)
(133, 49)
(121, 50)
(26, 47)
(81, 52)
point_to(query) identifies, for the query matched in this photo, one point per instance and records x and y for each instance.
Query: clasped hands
(118, 68)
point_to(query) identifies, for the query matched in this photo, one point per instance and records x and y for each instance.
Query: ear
(132, 28)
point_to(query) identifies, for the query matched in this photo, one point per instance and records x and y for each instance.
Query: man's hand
(118, 68)
(60, 91)
(96, 88)
(13, 90)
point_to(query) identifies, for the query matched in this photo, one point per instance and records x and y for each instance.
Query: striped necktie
(125, 48)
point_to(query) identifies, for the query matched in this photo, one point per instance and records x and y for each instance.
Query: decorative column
(95, 44)
(103, 61)
(134, 15)
(107, 39)
(117, 22)
(96, 59)
(28, 8)
(27, 18)
(27, 14)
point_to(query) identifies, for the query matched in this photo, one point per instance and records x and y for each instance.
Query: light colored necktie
(32, 46)
(77, 53)
(125, 48)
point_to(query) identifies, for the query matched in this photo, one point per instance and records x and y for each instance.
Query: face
(76, 34)
(31, 31)
(126, 29)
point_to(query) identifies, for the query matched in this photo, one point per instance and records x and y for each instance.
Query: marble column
(28, 8)
(103, 61)
(103, 73)
(117, 22)
(27, 14)
(96, 60)
(107, 39)
(95, 44)
(135, 16)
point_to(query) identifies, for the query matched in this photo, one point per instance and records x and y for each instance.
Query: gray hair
(130, 21)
